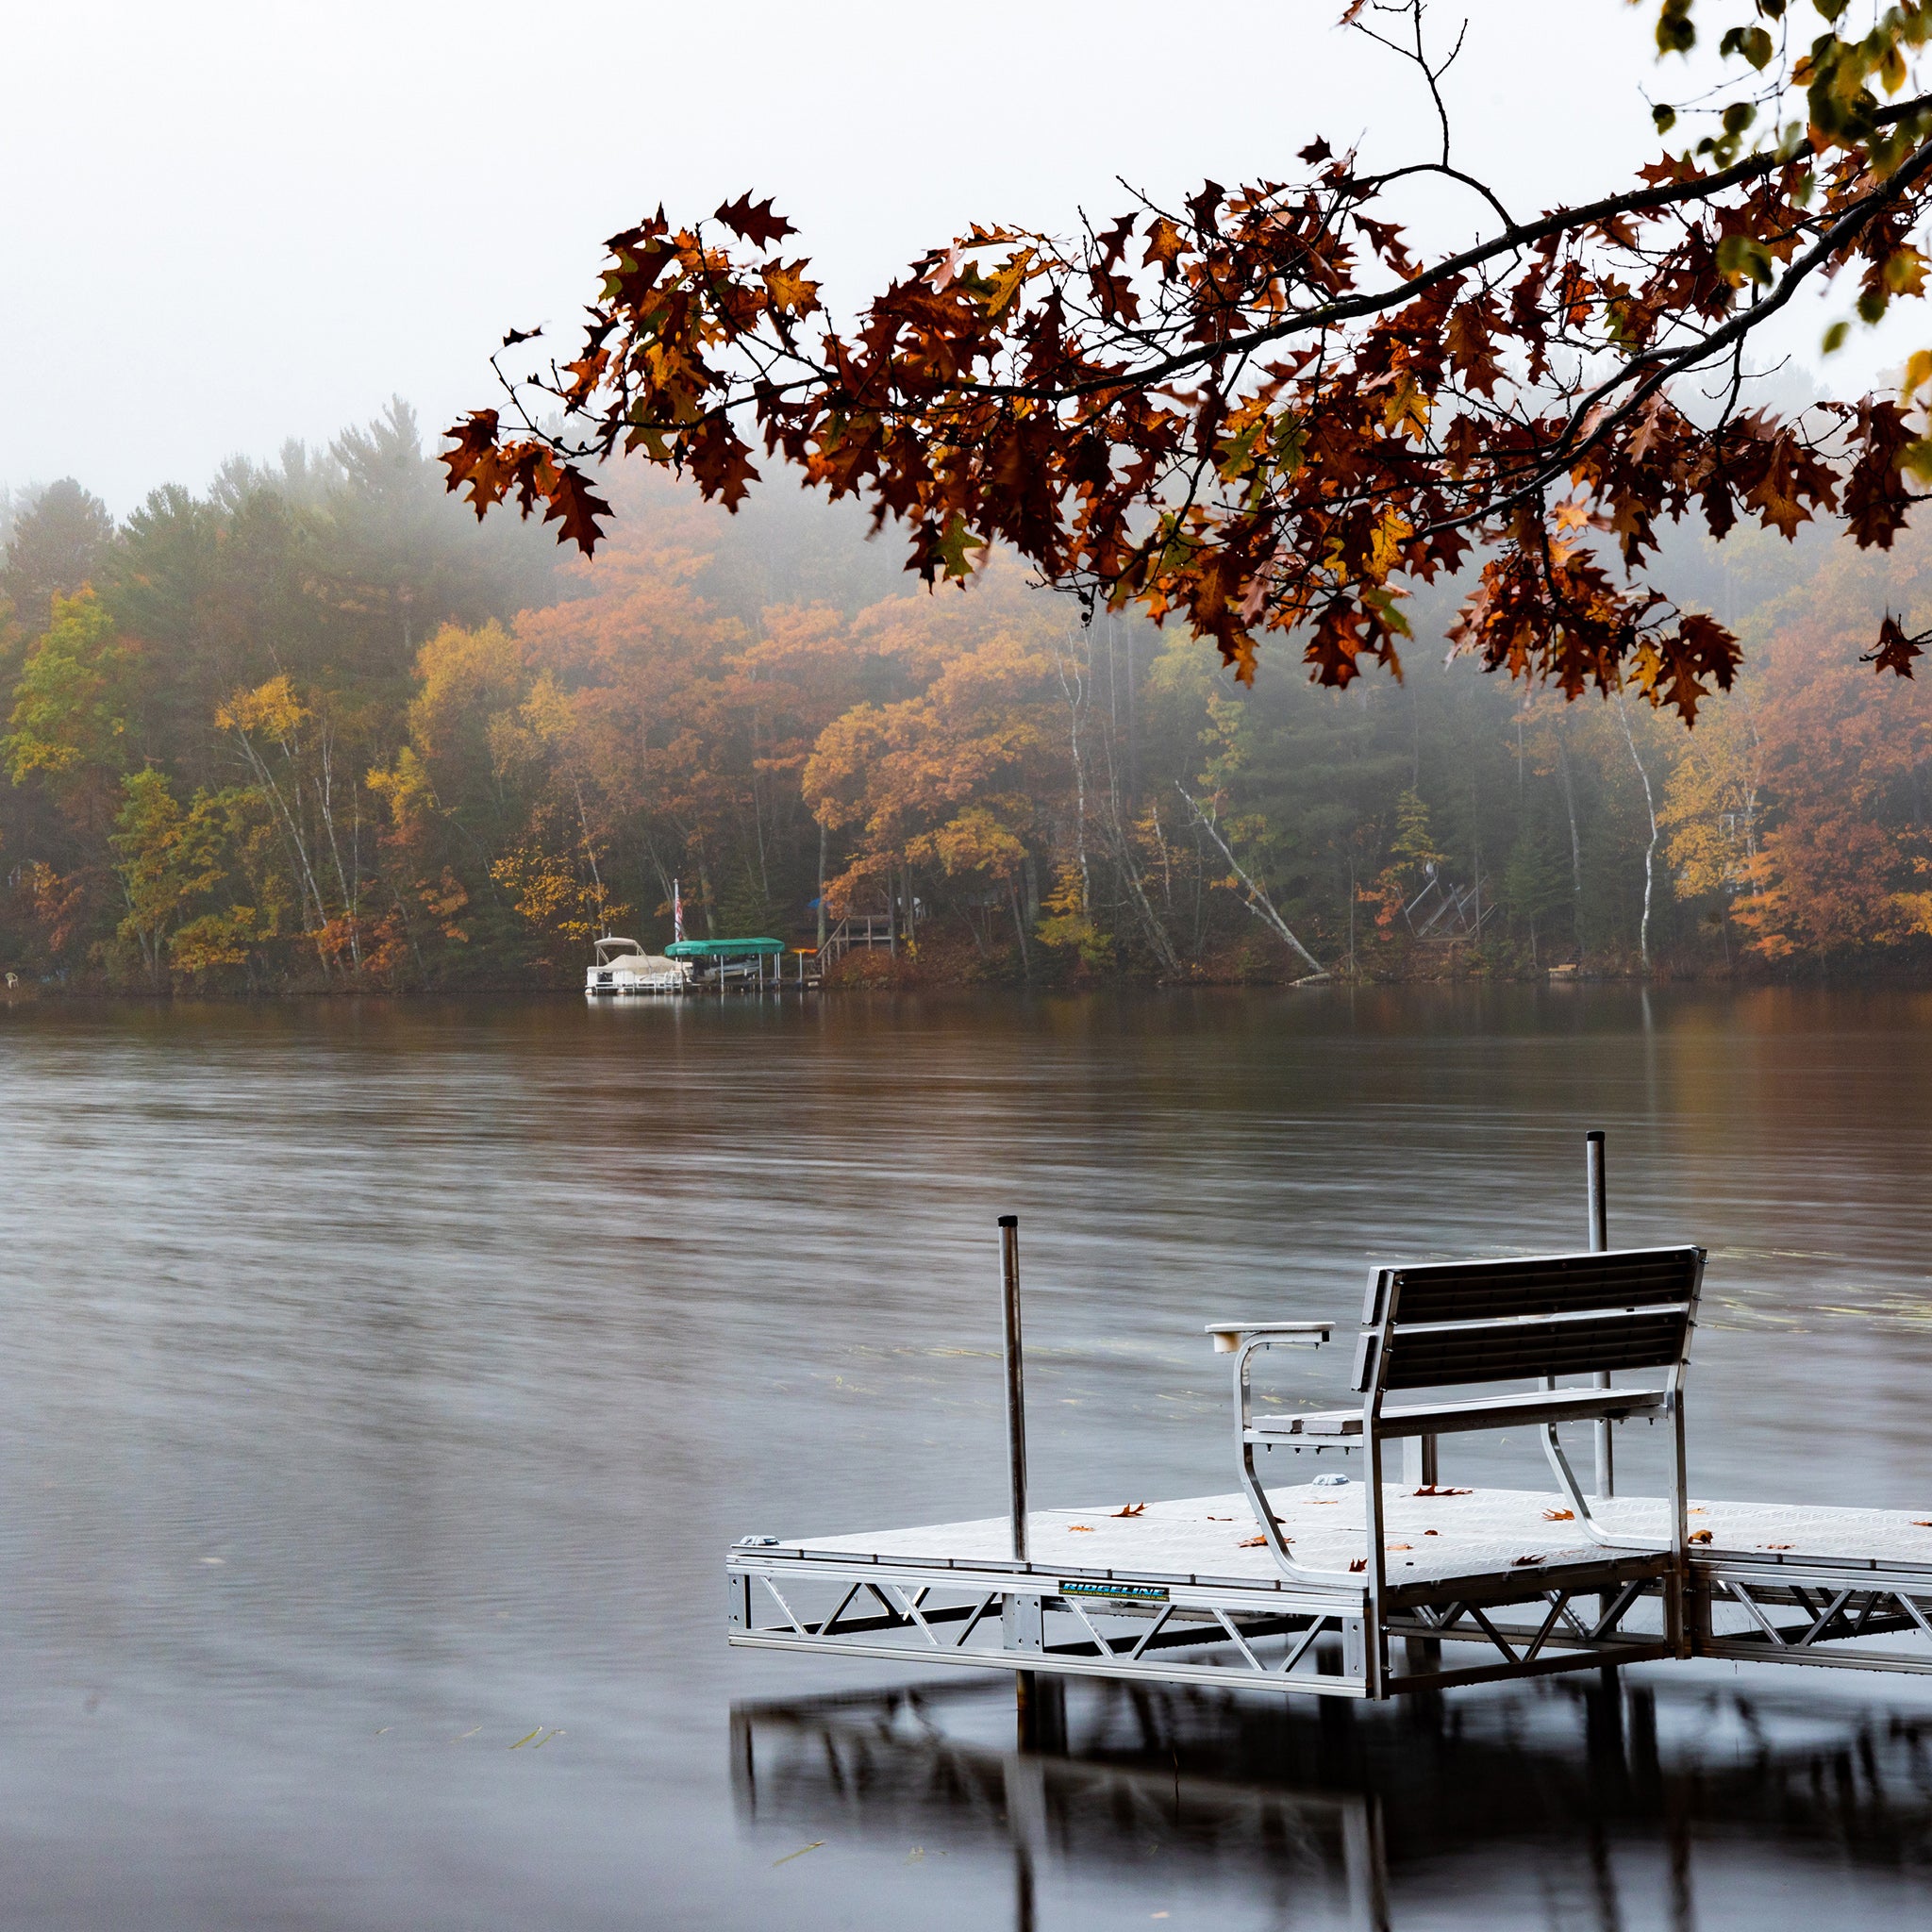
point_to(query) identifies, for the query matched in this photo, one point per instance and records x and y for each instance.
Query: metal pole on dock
(1016, 1382)
(1599, 1244)
(1039, 1701)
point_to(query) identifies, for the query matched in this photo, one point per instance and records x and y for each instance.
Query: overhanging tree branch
(1262, 412)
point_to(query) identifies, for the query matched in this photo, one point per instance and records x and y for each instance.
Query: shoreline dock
(1111, 1594)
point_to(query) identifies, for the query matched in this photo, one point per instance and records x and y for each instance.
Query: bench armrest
(1229, 1335)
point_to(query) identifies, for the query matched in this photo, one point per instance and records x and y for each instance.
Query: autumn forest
(316, 728)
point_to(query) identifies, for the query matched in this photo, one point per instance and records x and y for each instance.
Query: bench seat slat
(1477, 1412)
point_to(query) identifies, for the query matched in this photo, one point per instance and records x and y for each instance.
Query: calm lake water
(383, 1383)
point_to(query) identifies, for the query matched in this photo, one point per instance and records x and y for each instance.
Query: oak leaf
(1895, 650)
(754, 221)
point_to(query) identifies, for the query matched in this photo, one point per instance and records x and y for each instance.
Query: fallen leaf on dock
(1085, 1528)
(1132, 1509)
(1917, 1524)
(1559, 1516)
(1787, 1546)
(1700, 1536)
(1438, 1489)
(1401, 1546)
(1523, 1562)
(1221, 1519)
(1253, 1543)
(1432, 1532)
(1359, 1563)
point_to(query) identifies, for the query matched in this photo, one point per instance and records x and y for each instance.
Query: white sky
(225, 225)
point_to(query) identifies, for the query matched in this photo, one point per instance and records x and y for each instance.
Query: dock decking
(1506, 1571)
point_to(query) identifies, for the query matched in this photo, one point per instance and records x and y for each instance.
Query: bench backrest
(1443, 1322)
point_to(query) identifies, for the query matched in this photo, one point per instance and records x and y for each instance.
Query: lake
(385, 1381)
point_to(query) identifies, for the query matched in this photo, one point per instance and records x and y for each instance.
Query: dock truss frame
(1201, 1631)
(1837, 1614)
(1844, 1614)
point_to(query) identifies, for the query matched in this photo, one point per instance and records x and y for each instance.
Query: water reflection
(384, 1380)
(1586, 1804)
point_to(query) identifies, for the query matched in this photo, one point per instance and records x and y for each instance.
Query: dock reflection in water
(1649, 1804)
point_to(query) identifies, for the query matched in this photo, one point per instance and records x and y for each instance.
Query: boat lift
(751, 965)
(1357, 1588)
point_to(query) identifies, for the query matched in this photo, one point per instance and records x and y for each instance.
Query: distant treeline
(318, 729)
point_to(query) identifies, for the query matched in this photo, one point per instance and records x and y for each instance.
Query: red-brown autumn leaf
(754, 221)
(1895, 650)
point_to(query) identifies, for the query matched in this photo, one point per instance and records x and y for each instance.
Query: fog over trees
(314, 728)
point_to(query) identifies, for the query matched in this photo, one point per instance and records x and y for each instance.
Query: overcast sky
(224, 225)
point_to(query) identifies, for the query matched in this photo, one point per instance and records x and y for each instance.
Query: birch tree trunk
(1258, 901)
(1650, 850)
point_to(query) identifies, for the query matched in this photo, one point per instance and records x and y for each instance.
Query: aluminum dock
(1182, 1592)
(1366, 1588)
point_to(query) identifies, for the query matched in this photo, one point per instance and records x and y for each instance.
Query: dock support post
(1016, 1381)
(1036, 1697)
(1596, 1187)
(1599, 1244)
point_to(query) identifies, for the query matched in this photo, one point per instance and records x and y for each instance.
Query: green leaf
(1666, 118)
(1676, 33)
(1744, 257)
(953, 545)
(1835, 337)
(1291, 443)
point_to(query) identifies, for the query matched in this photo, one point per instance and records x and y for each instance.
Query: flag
(677, 913)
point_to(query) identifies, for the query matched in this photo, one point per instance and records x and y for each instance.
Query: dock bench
(1357, 1588)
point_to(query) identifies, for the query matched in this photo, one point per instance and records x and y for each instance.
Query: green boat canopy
(721, 949)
